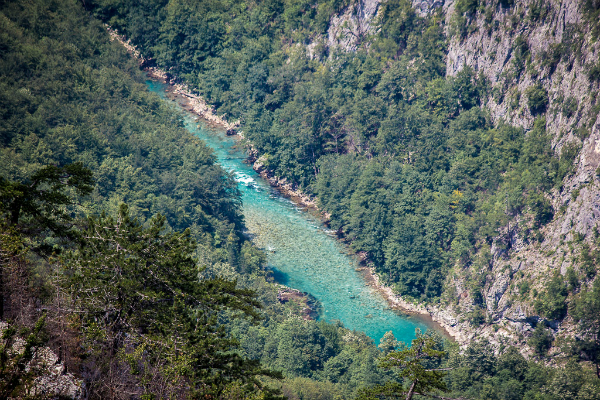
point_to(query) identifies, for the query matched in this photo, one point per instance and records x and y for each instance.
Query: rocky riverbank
(196, 104)
(441, 319)
(181, 91)
(281, 184)
(310, 306)
(444, 319)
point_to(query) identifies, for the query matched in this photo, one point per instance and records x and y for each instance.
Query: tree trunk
(411, 391)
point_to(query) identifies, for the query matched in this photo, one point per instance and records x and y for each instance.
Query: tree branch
(441, 397)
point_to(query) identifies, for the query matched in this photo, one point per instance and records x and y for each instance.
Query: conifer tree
(149, 324)
(417, 367)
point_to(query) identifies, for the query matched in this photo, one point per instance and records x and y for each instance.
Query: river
(301, 251)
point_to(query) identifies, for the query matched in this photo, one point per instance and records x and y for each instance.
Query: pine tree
(417, 366)
(148, 322)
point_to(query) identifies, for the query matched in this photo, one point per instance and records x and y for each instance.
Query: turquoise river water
(302, 252)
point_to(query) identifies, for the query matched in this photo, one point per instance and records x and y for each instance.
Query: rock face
(47, 377)
(499, 48)
(517, 45)
(283, 185)
(515, 48)
(425, 7)
(348, 29)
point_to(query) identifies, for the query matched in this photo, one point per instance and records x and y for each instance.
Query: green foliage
(537, 99)
(567, 381)
(541, 340)
(541, 208)
(153, 328)
(137, 288)
(298, 348)
(400, 156)
(87, 104)
(43, 200)
(463, 21)
(430, 219)
(594, 73)
(524, 288)
(146, 325)
(537, 11)
(569, 107)
(520, 57)
(418, 365)
(388, 343)
(315, 352)
(566, 166)
(591, 11)
(552, 302)
(478, 374)
(590, 260)
(399, 19)
(466, 6)
(476, 317)
(586, 311)
(573, 283)
(303, 388)
(555, 53)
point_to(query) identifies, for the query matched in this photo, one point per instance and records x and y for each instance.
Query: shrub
(591, 12)
(572, 280)
(521, 54)
(541, 208)
(552, 303)
(537, 11)
(476, 317)
(551, 57)
(537, 98)
(594, 73)
(569, 107)
(466, 6)
(541, 340)
(566, 164)
(524, 288)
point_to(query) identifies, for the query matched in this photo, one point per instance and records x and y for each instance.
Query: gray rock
(426, 7)
(50, 379)
(348, 29)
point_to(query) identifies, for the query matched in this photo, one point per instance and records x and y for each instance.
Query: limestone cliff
(38, 374)
(527, 50)
(520, 47)
(349, 28)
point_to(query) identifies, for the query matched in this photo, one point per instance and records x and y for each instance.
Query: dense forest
(410, 168)
(121, 239)
(405, 159)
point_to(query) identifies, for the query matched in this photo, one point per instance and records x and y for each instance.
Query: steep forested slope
(69, 97)
(450, 179)
(541, 58)
(452, 142)
(136, 300)
(80, 136)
